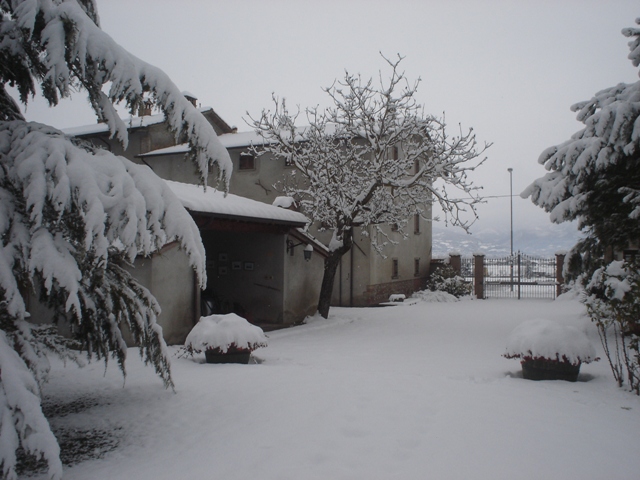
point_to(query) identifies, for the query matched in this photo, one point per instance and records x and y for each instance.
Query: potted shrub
(548, 351)
(225, 339)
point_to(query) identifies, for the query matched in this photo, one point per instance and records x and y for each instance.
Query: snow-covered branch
(72, 217)
(61, 45)
(373, 158)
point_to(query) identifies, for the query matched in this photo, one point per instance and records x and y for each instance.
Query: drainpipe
(351, 277)
(340, 285)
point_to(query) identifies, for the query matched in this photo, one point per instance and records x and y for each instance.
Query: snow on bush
(224, 333)
(545, 340)
(446, 279)
(429, 296)
(612, 298)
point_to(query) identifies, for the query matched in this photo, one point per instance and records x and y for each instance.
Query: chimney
(144, 109)
(191, 97)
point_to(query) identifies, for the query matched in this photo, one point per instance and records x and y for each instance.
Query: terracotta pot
(213, 356)
(541, 369)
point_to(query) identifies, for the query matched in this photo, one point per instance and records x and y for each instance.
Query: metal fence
(514, 276)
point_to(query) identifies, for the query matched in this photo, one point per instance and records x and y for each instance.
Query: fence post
(559, 275)
(519, 276)
(479, 275)
(455, 261)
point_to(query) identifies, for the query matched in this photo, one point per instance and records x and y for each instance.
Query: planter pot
(229, 357)
(549, 370)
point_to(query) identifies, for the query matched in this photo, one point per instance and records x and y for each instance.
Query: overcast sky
(509, 69)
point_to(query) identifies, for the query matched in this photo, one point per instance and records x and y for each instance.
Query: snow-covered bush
(446, 279)
(433, 297)
(545, 340)
(224, 334)
(613, 303)
(72, 216)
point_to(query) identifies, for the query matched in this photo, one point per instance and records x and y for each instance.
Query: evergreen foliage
(446, 279)
(72, 217)
(595, 178)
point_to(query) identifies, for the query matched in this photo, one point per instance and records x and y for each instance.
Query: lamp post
(510, 170)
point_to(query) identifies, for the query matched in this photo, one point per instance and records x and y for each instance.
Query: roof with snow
(135, 122)
(196, 199)
(228, 140)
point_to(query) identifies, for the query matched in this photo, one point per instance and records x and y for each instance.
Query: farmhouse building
(364, 277)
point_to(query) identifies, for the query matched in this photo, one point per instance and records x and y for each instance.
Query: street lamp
(510, 170)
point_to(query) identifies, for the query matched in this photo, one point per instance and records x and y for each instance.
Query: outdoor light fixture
(308, 249)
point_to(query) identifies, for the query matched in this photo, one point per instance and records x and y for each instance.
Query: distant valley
(538, 240)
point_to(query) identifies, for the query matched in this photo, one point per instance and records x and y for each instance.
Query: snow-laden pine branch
(72, 217)
(610, 138)
(63, 48)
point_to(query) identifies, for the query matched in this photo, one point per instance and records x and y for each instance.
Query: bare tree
(373, 158)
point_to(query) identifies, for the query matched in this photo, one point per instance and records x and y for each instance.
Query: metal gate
(515, 276)
(520, 276)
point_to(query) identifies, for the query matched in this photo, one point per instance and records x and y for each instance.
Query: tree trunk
(331, 264)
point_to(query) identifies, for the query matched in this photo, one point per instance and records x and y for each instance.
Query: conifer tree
(72, 216)
(594, 177)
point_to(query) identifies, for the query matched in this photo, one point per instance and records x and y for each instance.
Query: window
(416, 267)
(247, 162)
(416, 165)
(416, 223)
(394, 268)
(392, 153)
(394, 227)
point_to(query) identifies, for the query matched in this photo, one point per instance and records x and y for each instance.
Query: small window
(394, 227)
(416, 223)
(416, 165)
(247, 162)
(394, 268)
(416, 267)
(392, 153)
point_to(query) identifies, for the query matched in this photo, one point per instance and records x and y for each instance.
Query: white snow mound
(437, 296)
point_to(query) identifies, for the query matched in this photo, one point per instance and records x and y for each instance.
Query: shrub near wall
(446, 279)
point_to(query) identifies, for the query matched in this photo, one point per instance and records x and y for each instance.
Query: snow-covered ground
(416, 391)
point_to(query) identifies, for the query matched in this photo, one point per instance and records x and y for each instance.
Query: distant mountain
(538, 240)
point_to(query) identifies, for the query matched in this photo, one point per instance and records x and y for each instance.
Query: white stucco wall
(171, 280)
(302, 281)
